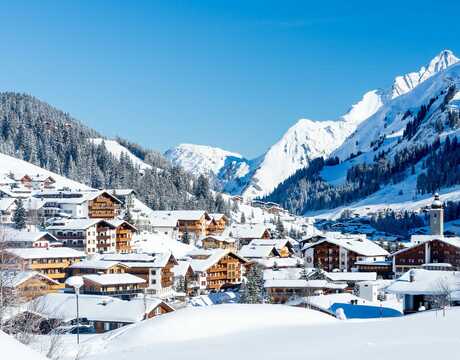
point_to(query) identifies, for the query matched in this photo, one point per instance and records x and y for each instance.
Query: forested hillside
(38, 133)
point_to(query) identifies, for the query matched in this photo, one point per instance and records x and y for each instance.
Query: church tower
(437, 216)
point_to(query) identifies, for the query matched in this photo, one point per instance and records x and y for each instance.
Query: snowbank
(13, 349)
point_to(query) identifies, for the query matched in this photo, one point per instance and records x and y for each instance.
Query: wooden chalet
(341, 252)
(103, 205)
(221, 269)
(218, 242)
(51, 262)
(217, 224)
(123, 235)
(27, 285)
(120, 285)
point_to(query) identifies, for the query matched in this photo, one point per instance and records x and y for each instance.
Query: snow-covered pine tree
(19, 217)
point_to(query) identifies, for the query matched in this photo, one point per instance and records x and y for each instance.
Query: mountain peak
(405, 83)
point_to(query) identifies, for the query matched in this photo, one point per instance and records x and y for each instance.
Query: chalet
(104, 313)
(89, 235)
(280, 291)
(28, 239)
(218, 242)
(27, 285)
(220, 269)
(155, 270)
(35, 181)
(338, 277)
(217, 224)
(165, 225)
(341, 252)
(434, 248)
(126, 196)
(52, 262)
(120, 285)
(80, 204)
(192, 222)
(7, 209)
(258, 252)
(244, 233)
(123, 235)
(284, 246)
(184, 280)
(382, 268)
(426, 289)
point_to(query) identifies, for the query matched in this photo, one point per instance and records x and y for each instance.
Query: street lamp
(76, 282)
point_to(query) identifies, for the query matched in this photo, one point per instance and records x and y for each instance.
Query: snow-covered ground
(10, 348)
(116, 149)
(229, 332)
(9, 164)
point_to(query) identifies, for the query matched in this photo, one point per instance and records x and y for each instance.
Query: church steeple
(437, 216)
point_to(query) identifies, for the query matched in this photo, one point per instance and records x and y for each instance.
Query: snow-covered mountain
(305, 140)
(116, 149)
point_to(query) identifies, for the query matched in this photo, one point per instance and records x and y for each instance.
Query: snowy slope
(10, 164)
(302, 142)
(229, 332)
(117, 149)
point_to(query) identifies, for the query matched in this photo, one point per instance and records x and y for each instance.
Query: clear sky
(234, 74)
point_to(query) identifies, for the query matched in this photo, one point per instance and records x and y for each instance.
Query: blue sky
(234, 74)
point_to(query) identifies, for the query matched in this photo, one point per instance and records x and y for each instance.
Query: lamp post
(76, 282)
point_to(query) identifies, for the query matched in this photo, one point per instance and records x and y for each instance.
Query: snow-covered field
(229, 332)
(12, 349)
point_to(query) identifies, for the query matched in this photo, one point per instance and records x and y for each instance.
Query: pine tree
(186, 236)
(253, 291)
(19, 217)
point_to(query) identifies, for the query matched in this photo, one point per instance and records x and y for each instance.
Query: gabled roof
(248, 231)
(118, 222)
(251, 251)
(128, 257)
(214, 258)
(356, 243)
(453, 241)
(14, 279)
(161, 260)
(278, 243)
(220, 238)
(13, 235)
(182, 268)
(218, 216)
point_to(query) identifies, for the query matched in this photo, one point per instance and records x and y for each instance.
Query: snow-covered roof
(163, 221)
(425, 282)
(162, 259)
(286, 262)
(216, 255)
(16, 278)
(351, 276)
(248, 231)
(278, 243)
(221, 238)
(286, 273)
(114, 279)
(128, 257)
(185, 215)
(95, 264)
(46, 253)
(6, 203)
(95, 308)
(301, 284)
(181, 268)
(217, 216)
(14, 235)
(118, 222)
(75, 224)
(356, 243)
(454, 241)
(251, 251)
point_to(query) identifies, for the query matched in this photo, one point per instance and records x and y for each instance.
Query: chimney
(412, 276)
